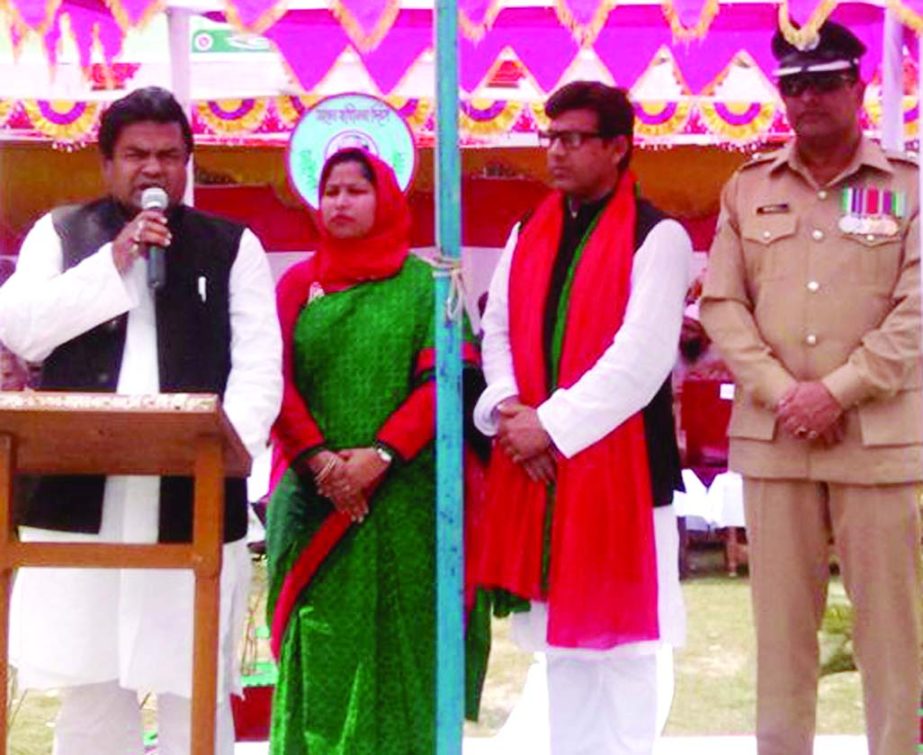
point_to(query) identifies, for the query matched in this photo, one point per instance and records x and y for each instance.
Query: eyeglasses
(569, 139)
(820, 83)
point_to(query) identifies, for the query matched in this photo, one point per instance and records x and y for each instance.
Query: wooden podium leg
(207, 538)
(7, 464)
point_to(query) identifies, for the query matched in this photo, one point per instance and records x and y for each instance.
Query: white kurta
(618, 386)
(80, 626)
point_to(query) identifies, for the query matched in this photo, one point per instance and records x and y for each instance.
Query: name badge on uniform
(773, 209)
(871, 211)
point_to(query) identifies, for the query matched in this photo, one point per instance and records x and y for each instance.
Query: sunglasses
(569, 139)
(819, 83)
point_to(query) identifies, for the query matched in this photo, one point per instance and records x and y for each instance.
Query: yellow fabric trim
(676, 123)
(736, 132)
(248, 123)
(76, 131)
(286, 110)
(499, 124)
(417, 119)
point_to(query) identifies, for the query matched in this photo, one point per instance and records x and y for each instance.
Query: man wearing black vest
(580, 334)
(81, 302)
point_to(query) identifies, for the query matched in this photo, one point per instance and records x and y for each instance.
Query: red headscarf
(340, 263)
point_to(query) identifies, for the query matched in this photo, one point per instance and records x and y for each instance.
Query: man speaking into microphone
(136, 293)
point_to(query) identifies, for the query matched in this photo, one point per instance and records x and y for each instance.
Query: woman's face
(348, 204)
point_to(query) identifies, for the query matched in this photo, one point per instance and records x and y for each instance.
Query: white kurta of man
(621, 383)
(82, 626)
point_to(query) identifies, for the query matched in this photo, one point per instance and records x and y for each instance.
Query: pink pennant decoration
(689, 12)
(366, 21)
(476, 16)
(41, 14)
(388, 63)
(626, 38)
(545, 48)
(35, 14)
(110, 35)
(132, 13)
(579, 12)
(254, 15)
(310, 43)
(51, 40)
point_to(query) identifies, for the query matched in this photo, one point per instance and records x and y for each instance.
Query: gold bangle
(327, 469)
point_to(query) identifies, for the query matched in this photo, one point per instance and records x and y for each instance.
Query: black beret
(835, 48)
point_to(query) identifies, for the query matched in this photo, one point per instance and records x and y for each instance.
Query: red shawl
(602, 582)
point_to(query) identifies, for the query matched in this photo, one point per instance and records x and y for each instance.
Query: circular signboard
(348, 120)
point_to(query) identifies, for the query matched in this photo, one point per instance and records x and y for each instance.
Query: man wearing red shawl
(580, 333)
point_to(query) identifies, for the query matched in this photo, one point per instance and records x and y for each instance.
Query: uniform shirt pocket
(767, 241)
(872, 260)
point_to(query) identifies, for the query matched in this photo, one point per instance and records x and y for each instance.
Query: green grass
(715, 671)
(31, 731)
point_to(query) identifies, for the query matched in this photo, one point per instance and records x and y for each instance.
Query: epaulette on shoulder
(903, 156)
(758, 158)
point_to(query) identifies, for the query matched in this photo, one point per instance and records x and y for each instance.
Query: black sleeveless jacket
(193, 352)
(659, 425)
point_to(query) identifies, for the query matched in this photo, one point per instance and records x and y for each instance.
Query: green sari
(357, 664)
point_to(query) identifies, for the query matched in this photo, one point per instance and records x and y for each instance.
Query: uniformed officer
(812, 297)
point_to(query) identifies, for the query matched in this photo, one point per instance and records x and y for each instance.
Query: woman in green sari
(351, 525)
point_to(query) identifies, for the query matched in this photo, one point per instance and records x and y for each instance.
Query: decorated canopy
(545, 34)
(700, 70)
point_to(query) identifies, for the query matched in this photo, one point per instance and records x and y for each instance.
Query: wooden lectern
(166, 434)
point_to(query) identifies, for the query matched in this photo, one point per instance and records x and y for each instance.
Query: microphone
(155, 198)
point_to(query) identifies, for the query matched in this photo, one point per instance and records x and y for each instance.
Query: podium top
(83, 433)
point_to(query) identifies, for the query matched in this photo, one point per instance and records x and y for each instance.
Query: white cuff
(549, 414)
(485, 411)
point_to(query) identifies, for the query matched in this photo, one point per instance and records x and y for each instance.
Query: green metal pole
(450, 646)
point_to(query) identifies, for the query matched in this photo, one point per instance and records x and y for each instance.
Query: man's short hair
(147, 104)
(615, 114)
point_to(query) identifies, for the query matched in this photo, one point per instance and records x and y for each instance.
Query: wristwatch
(384, 454)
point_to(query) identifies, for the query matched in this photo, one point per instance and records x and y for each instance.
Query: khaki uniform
(794, 293)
